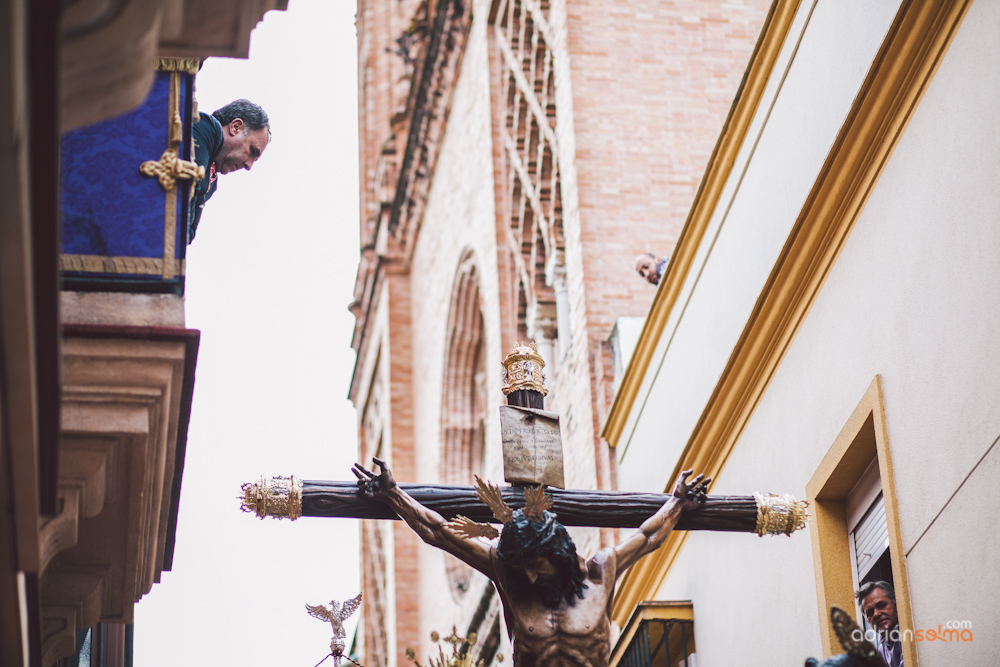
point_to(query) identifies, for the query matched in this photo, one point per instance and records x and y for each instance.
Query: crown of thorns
(536, 503)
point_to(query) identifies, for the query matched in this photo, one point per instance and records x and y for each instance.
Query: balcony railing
(659, 634)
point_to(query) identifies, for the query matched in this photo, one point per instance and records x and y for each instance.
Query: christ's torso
(567, 636)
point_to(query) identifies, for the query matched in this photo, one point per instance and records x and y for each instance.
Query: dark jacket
(208, 138)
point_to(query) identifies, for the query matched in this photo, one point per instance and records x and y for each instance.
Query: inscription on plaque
(532, 446)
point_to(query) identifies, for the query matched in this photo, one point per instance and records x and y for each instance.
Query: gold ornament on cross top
(523, 369)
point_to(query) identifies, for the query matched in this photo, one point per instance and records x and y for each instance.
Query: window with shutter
(870, 541)
(855, 532)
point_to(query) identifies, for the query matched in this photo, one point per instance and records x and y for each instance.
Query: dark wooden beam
(602, 509)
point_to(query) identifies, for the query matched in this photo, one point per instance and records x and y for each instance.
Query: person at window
(232, 138)
(650, 267)
(878, 604)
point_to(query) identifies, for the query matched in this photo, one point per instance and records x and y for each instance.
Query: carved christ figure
(556, 604)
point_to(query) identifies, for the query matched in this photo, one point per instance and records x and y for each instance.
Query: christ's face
(536, 567)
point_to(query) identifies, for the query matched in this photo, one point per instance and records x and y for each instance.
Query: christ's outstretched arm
(428, 524)
(654, 530)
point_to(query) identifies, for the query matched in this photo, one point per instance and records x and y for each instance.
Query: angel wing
(467, 528)
(350, 606)
(320, 612)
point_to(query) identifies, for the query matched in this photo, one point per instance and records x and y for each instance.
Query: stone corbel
(71, 600)
(88, 483)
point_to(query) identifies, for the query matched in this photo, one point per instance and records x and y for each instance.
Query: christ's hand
(371, 484)
(693, 495)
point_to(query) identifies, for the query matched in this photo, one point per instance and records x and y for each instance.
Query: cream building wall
(912, 298)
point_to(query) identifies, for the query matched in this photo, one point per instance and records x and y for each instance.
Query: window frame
(863, 438)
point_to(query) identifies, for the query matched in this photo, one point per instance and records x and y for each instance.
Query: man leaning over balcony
(232, 138)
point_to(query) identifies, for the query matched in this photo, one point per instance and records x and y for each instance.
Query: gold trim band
(100, 264)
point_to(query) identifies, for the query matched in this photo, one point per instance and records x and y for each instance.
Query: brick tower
(516, 155)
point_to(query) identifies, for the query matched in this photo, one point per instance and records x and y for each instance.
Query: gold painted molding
(864, 437)
(741, 114)
(906, 62)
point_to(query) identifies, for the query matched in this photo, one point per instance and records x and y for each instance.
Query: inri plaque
(532, 446)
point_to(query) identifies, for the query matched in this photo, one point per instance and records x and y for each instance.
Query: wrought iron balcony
(659, 634)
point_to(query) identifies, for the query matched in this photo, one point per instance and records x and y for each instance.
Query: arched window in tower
(463, 402)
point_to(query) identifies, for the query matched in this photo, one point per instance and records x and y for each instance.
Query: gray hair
(254, 118)
(869, 588)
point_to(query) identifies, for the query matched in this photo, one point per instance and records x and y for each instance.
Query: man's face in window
(880, 610)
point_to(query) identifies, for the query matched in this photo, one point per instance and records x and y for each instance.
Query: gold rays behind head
(490, 496)
(465, 527)
(536, 502)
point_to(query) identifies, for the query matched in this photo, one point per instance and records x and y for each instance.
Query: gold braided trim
(280, 497)
(779, 514)
(169, 168)
(133, 265)
(183, 65)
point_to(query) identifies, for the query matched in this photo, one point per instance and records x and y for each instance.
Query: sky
(269, 279)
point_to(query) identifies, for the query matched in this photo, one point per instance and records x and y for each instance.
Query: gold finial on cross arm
(779, 514)
(280, 497)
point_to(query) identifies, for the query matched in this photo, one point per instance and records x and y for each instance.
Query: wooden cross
(532, 456)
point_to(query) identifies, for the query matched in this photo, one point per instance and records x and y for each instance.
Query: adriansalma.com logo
(952, 631)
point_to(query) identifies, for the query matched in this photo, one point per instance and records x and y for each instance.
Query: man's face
(646, 267)
(240, 149)
(880, 611)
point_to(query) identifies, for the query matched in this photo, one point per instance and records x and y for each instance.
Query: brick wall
(644, 89)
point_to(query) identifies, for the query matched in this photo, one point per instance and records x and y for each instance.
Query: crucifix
(557, 604)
